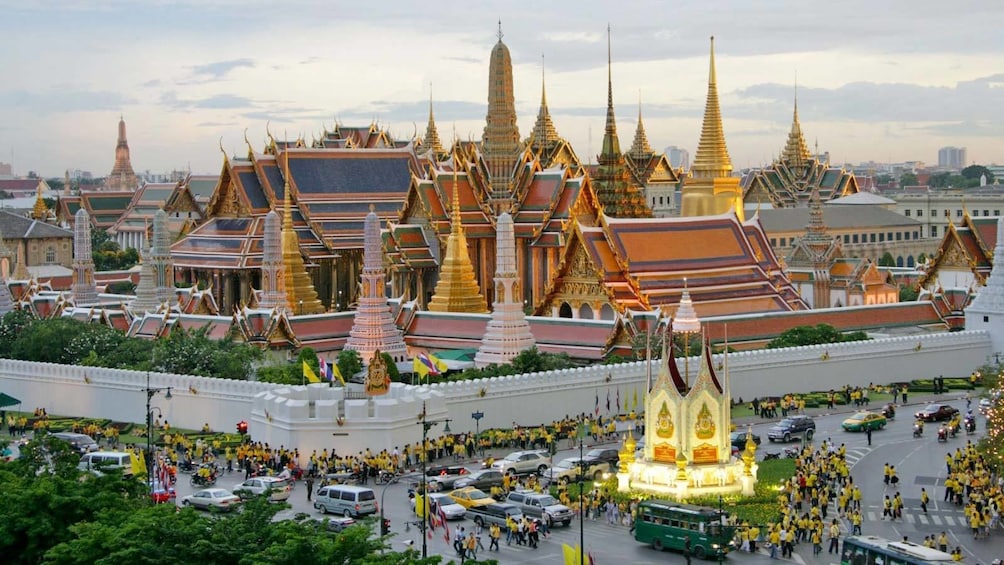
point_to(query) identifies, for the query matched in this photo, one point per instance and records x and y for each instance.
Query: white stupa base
(623, 482)
(661, 479)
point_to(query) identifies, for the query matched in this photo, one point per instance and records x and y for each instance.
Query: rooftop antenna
(500, 29)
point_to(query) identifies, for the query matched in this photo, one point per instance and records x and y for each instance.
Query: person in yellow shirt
(924, 499)
(817, 542)
(957, 554)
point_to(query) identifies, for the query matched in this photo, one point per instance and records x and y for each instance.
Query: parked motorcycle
(386, 477)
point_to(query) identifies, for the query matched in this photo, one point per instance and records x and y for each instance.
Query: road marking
(949, 520)
(936, 520)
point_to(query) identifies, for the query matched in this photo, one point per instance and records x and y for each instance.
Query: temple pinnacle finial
(712, 75)
(500, 29)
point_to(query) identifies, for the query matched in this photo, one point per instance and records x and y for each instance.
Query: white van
(106, 459)
(346, 500)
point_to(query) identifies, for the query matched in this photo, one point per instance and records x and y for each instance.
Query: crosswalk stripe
(910, 518)
(949, 520)
(923, 520)
(872, 516)
(936, 520)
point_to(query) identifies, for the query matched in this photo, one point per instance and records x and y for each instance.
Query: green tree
(13, 324)
(392, 371)
(974, 172)
(907, 293)
(922, 258)
(887, 260)
(908, 179)
(812, 335)
(349, 363)
(938, 180)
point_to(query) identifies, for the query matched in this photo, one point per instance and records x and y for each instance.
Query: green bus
(872, 550)
(665, 523)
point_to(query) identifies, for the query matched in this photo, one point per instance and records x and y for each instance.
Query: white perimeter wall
(526, 399)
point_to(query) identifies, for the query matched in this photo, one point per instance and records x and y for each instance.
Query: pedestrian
(494, 533)
(310, 487)
(834, 537)
(943, 542)
(923, 500)
(868, 434)
(686, 549)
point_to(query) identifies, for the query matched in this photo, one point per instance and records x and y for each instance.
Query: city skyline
(891, 83)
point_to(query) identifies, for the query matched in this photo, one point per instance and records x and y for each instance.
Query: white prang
(373, 326)
(986, 311)
(84, 289)
(508, 332)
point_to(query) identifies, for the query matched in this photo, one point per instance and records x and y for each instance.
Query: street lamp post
(426, 424)
(150, 392)
(477, 431)
(582, 432)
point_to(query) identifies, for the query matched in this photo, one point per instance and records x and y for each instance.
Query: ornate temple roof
(15, 227)
(969, 245)
(104, 207)
(331, 191)
(642, 263)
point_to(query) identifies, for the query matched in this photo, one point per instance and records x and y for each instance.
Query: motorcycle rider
(918, 428)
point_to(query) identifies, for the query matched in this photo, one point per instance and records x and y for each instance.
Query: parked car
(483, 479)
(81, 443)
(218, 499)
(442, 501)
(543, 506)
(792, 427)
(494, 513)
(937, 413)
(738, 439)
(609, 455)
(567, 470)
(443, 477)
(277, 489)
(864, 421)
(470, 496)
(522, 463)
(339, 523)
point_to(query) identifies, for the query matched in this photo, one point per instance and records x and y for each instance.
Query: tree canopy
(53, 513)
(812, 335)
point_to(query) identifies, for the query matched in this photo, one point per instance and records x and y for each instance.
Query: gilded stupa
(796, 150)
(431, 141)
(301, 297)
(40, 211)
(457, 290)
(616, 189)
(544, 142)
(711, 188)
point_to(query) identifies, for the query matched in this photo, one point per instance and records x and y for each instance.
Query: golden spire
(711, 188)
(500, 143)
(40, 211)
(544, 132)
(796, 150)
(300, 294)
(431, 140)
(712, 157)
(611, 145)
(457, 290)
(640, 149)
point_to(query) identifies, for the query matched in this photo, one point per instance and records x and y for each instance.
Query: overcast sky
(877, 80)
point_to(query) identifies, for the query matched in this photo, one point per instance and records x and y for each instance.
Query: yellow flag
(571, 554)
(337, 373)
(634, 408)
(137, 463)
(309, 373)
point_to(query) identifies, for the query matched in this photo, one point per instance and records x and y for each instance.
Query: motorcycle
(970, 426)
(918, 429)
(942, 434)
(386, 477)
(186, 466)
(200, 481)
(791, 452)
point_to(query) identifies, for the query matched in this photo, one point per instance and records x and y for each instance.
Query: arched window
(565, 311)
(50, 255)
(899, 261)
(586, 312)
(909, 261)
(606, 312)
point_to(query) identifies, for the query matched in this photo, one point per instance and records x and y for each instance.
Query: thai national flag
(326, 373)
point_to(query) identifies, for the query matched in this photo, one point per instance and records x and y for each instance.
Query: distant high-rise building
(952, 158)
(678, 157)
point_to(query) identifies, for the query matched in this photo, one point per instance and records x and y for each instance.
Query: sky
(888, 81)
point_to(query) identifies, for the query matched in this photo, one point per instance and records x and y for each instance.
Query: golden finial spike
(712, 77)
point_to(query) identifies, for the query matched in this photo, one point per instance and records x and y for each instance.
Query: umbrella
(8, 400)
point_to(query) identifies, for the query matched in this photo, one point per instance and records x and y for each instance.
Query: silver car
(218, 499)
(522, 463)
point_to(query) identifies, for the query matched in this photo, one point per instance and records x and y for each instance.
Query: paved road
(920, 462)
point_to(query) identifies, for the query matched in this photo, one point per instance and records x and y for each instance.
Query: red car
(161, 494)
(937, 413)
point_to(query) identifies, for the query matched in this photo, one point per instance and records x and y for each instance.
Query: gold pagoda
(457, 290)
(40, 211)
(300, 294)
(711, 188)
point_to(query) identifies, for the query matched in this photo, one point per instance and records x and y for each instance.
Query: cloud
(977, 100)
(574, 36)
(220, 69)
(215, 102)
(151, 83)
(215, 124)
(960, 129)
(58, 100)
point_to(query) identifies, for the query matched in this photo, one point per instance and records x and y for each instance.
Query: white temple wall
(526, 399)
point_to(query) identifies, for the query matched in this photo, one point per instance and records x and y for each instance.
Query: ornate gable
(228, 200)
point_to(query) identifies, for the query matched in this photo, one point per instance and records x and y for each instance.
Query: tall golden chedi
(711, 188)
(457, 290)
(40, 211)
(500, 143)
(122, 176)
(300, 294)
(618, 193)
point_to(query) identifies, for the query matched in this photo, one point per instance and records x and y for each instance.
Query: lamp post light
(426, 424)
(477, 431)
(150, 392)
